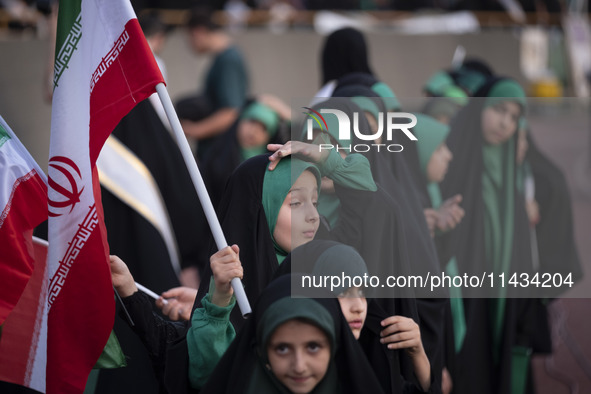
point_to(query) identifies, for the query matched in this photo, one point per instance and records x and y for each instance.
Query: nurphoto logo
(388, 121)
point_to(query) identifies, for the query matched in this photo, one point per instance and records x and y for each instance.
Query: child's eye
(295, 204)
(315, 203)
(281, 349)
(314, 347)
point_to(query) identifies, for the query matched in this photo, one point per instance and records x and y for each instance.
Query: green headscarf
(506, 90)
(340, 259)
(281, 311)
(276, 186)
(456, 93)
(264, 114)
(390, 100)
(470, 80)
(269, 119)
(367, 105)
(498, 192)
(288, 308)
(437, 83)
(430, 134)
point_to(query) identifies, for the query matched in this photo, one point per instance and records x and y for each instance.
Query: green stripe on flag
(4, 136)
(69, 32)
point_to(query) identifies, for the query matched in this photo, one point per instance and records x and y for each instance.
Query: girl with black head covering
(492, 237)
(381, 336)
(250, 363)
(402, 202)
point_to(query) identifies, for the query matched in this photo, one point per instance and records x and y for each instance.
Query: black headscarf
(344, 52)
(144, 134)
(242, 362)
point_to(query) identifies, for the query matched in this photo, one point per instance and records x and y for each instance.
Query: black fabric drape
(144, 134)
(139, 244)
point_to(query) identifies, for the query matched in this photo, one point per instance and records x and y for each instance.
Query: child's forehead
(296, 329)
(306, 180)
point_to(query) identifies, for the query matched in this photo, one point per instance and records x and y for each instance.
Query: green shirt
(208, 339)
(354, 172)
(226, 83)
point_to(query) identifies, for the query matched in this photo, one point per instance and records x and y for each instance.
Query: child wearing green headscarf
(258, 124)
(293, 345)
(288, 185)
(434, 157)
(493, 237)
(292, 181)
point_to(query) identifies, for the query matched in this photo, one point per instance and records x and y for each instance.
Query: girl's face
(298, 217)
(251, 133)
(499, 122)
(299, 354)
(439, 163)
(354, 307)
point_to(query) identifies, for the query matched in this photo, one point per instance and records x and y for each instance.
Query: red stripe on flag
(77, 339)
(20, 332)
(26, 209)
(125, 77)
(82, 308)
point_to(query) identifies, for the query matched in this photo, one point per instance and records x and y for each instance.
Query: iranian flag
(103, 68)
(23, 206)
(24, 333)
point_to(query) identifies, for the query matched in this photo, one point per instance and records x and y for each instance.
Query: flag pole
(210, 214)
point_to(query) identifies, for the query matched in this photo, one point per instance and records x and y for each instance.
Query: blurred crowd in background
(19, 15)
